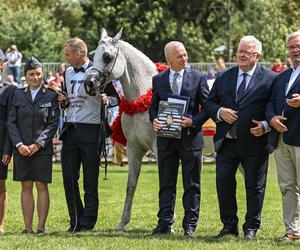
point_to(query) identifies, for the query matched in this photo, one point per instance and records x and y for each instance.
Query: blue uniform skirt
(35, 168)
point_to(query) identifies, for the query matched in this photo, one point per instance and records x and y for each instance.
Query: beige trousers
(288, 170)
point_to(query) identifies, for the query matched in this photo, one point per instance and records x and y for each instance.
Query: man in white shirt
(80, 136)
(283, 114)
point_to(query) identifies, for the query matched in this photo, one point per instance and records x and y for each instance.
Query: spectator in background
(61, 69)
(220, 65)
(49, 77)
(10, 81)
(23, 83)
(278, 66)
(288, 62)
(14, 58)
(119, 151)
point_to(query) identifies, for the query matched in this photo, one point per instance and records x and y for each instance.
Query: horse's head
(108, 63)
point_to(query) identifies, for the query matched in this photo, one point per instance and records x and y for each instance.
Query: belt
(72, 125)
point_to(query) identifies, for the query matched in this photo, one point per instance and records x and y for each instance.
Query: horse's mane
(139, 65)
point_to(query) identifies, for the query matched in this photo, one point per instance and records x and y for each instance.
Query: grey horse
(117, 59)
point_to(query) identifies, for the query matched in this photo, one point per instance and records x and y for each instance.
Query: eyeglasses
(294, 47)
(245, 52)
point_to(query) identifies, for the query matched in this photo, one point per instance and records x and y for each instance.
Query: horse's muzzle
(89, 85)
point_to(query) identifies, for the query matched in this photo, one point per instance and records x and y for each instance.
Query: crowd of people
(256, 112)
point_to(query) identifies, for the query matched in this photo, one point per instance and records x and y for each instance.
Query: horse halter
(102, 76)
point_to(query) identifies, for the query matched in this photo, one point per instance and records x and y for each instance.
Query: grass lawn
(143, 221)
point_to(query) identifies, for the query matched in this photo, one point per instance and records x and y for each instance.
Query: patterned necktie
(174, 84)
(242, 87)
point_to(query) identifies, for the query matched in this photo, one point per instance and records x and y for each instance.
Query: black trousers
(168, 162)
(74, 154)
(255, 170)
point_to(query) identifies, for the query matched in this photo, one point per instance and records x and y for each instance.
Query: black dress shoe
(189, 232)
(159, 230)
(227, 231)
(250, 234)
(27, 232)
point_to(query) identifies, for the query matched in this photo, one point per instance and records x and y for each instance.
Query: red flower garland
(142, 104)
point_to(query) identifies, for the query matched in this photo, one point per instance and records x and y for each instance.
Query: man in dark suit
(80, 137)
(183, 81)
(283, 114)
(237, 103)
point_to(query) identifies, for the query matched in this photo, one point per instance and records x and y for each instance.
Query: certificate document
(170, 114)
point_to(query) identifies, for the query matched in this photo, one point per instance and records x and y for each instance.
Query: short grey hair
(77, 44)
(292, 35)
(252, 39)
(170, 45)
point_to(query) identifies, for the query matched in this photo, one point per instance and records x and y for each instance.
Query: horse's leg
(134, 156)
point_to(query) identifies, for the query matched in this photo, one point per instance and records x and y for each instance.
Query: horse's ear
(103, 34)
(118, 36)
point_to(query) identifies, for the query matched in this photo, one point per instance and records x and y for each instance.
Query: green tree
(34, 33)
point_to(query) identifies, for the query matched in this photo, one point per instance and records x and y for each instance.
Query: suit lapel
(233, 81)
(297, 80)
(165, 80)
(185, 82)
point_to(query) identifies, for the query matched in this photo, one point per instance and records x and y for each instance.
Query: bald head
(176, 55)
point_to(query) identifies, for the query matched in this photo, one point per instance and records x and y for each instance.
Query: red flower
(161, 67)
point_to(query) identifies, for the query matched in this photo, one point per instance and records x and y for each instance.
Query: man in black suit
(237, 103)
(80, 137)
(283, 114)
(179, 80)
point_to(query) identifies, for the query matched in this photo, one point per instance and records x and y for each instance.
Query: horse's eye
(107, 58)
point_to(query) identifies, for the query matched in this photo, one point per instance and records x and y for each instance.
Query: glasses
(294, 47)
(245, 52)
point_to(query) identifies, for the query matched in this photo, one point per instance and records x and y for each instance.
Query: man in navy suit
(283, 114)
(237, 103)
(179, 80)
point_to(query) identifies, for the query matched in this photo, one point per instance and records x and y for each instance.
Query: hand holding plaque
(170, 114)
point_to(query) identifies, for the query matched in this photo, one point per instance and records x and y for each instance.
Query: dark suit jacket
(277, 105)
(5, 103)
(34, 121)
(194, 85)
(251, 106)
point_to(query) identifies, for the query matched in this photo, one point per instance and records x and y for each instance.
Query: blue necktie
(240, 93)
(242, 88)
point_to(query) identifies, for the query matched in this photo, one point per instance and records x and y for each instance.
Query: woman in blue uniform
(32, 123)
(5, 144)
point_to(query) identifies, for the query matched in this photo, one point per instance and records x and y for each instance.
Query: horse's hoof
(120, 229)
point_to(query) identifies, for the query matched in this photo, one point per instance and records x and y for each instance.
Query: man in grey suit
(283, 114)
(237, 103)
